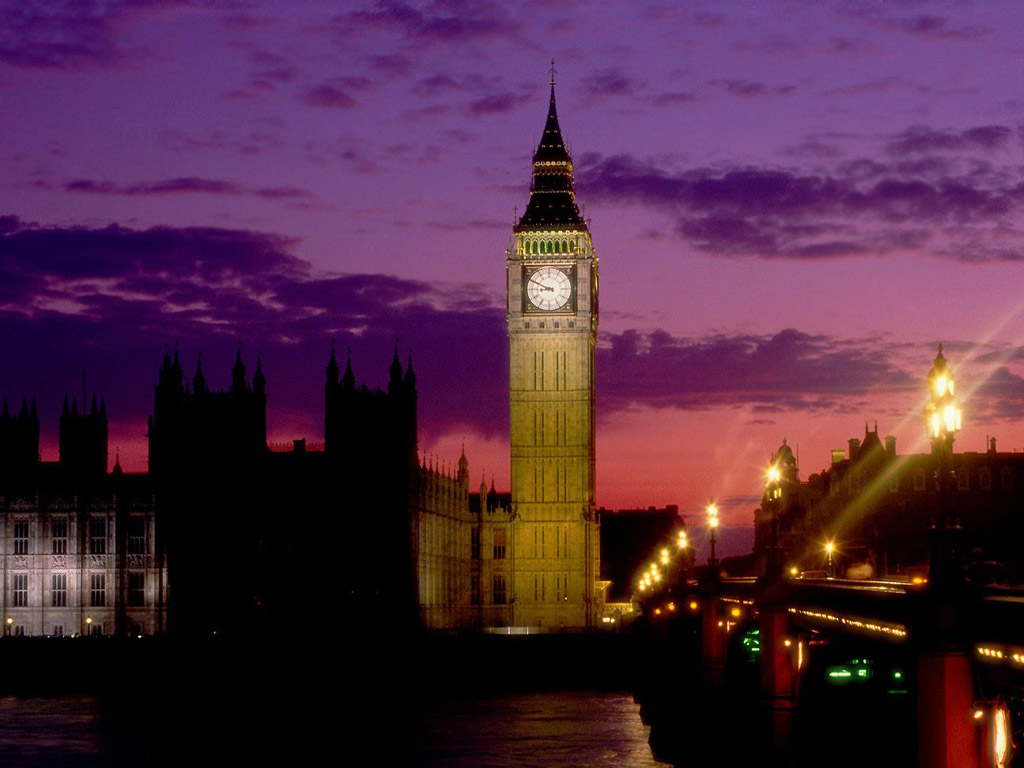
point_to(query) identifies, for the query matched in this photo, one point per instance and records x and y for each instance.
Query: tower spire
(552, 198)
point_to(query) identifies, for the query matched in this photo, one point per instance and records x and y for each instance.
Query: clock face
(549, 288)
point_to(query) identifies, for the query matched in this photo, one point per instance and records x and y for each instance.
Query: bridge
(833, 671)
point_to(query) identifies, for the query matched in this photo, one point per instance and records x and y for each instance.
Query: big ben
(552, 329)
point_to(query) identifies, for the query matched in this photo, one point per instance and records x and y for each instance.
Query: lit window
(98, 536)
(498, 591)
(20, 590)
(97, 590)
(136, 588)
(59, 590)
(963, 479)
(499, 544)
(137, 535)
(21, 537)
(474, 538)
(59, 529)
(985, 479)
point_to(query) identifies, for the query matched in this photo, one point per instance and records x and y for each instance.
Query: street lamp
(773, 494)
(829, 547)
(943, 419)
(712, 511)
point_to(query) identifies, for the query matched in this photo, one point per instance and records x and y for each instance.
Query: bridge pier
(779, 678)
(713, 643)
(947, 736)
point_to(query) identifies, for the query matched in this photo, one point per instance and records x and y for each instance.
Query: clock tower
(552, 328)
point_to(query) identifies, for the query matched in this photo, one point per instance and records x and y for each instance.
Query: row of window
(97, 589)
(97, 536)
(963, 480)
(95, 629)
(557, 324)
(500, 543)
(499, 594)
(540, 247)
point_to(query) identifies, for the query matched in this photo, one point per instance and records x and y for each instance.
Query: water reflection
(542, 729)
(51, 731)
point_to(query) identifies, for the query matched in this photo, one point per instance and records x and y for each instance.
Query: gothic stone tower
(552, 328)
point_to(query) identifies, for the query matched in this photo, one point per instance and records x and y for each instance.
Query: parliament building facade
(215, 539)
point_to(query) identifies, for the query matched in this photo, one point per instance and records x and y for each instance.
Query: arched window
(572, 246)
(963, 479)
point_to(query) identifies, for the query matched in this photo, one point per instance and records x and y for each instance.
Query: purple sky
(793, 203)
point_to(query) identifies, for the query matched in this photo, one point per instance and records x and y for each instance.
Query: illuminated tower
(552, 328)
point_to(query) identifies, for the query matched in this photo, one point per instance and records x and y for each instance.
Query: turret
(83, 442)
(395, 379)
(463, 475)
(410, 377)
(238, 372)
(19, 447)
(259, 381)
(332, 369)
(199, 386)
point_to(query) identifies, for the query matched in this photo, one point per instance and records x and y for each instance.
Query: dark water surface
(451, 702)
(550, 729)
(543, 729)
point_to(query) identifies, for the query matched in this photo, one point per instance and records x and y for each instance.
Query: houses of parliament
(226, 535)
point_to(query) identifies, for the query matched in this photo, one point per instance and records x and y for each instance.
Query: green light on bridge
(897, 682)
(751, 643)
(854, 671)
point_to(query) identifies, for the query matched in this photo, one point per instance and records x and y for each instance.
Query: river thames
(549, 729)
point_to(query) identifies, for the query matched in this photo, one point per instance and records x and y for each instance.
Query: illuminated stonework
(552, 326)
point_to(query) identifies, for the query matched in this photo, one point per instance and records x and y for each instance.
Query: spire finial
(552, 72)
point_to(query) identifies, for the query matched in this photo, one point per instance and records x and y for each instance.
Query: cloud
(184, 185)
(609, 82)
(786, 371)
(749, 88)
(108, 299)
(335, 93)
(671, 98)
(926, 26)
(70, 34)
(457, 21)
(921, 138)
(497, 103)
(860, 207)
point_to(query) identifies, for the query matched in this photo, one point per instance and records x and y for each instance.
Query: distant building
(881, 509)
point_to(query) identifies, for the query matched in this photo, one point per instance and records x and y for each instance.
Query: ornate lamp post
(712, 511)
(942, 421)
(773, 495)
(830, 548)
